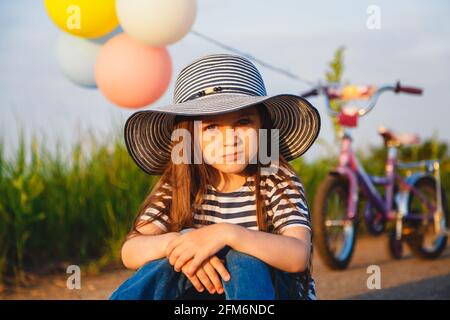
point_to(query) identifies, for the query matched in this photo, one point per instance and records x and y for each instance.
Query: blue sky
(300, 36)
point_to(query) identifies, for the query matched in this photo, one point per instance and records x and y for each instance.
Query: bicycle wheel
(334, 233)
(423, 240)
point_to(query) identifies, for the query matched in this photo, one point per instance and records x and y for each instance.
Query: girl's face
(229, 142)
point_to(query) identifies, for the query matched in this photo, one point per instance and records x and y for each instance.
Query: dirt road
(409, 278)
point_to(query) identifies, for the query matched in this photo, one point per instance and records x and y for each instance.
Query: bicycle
(412, 201)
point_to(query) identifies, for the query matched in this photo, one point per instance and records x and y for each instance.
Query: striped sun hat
(215, 84)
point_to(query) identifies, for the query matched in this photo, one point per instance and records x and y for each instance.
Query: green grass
(71, 209)
(76, 207)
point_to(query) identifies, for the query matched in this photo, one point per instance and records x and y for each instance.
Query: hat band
(218, 89)
(207, 91)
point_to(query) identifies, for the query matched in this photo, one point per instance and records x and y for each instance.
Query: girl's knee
(238, 255)
(155, 280)
(241, 259)
(153, 271)
(158, 265)
(250, 277)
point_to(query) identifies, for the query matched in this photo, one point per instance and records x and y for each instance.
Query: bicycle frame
(350, 167)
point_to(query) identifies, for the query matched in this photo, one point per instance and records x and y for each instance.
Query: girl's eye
(244, 121)
(241, 122)
(211, 127)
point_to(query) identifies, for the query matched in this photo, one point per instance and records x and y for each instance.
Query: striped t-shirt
(286, 205)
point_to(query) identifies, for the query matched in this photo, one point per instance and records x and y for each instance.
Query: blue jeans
(251, 279)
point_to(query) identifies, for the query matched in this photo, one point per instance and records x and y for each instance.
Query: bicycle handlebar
(410, 90)
(322, 89)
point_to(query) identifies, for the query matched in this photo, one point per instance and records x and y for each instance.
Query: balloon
(131, 74)
(156, 22)
(84, 18)
(76, 57)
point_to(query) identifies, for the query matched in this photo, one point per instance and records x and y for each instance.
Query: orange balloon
(131, 74)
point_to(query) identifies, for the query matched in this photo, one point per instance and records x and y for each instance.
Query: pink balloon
(131, 74)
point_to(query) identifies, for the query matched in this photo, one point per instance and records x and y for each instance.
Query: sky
(412, 45)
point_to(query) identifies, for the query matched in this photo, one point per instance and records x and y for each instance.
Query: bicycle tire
(321, 240)
(415, 239)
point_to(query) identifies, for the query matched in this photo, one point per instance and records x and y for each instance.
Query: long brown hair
(188, 183)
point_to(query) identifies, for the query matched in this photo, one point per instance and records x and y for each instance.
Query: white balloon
(76, 57)
(156, 22)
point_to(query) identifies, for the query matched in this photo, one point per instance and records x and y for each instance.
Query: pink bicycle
(414, 202)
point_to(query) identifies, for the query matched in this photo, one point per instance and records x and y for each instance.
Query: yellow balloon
(83, 18)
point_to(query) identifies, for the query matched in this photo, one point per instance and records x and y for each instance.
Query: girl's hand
(197, 245)
(208, 275)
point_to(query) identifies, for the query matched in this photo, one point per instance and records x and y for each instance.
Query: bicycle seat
(398, 138)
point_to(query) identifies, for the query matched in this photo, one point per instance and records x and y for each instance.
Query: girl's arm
(149, 246)
(288, 251)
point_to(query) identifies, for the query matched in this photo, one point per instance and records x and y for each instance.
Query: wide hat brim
(148, 132)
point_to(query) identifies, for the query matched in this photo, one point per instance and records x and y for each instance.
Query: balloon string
(257, 60)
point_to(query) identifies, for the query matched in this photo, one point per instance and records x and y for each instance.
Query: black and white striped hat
(215, 84)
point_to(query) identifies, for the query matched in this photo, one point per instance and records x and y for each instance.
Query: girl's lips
(232, 156)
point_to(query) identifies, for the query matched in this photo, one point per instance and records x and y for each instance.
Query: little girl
(224, 216)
